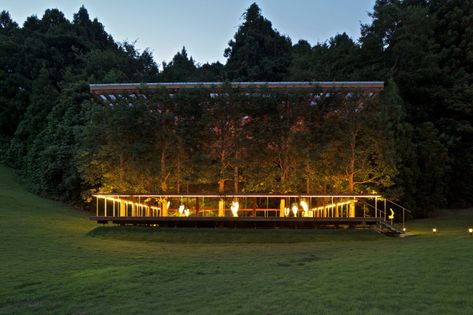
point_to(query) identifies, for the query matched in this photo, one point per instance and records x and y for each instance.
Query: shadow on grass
(212, 236)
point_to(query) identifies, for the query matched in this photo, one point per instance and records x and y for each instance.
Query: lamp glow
(470, 230)
(181, 210)
(404, 229)
(434, 230)
(305, 206)
(186, 212)
(235, 207)
(286, 211)
(294, 210)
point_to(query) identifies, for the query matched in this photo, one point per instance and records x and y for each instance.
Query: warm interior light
(333, 205)
(470, 230)
(186, 212)
(404, 229)
(181, 210)
(235, 207)
(286, 211)
(434, 230)
(305, 206)
(294, 210)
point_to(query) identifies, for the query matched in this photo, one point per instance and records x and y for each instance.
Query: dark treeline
(414, 142)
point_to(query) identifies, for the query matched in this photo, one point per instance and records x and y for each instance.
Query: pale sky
(204, 26)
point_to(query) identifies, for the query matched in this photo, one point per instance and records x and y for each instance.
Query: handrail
(396, 204)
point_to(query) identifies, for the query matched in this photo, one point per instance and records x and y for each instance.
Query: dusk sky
(204, 26)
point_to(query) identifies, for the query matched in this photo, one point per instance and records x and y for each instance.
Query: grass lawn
(54, 260)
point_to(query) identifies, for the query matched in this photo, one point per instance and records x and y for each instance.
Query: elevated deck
(239, 222)
(291, 211)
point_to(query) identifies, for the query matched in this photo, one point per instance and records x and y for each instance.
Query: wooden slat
(242, 222)
(236, 196)
(134, 88)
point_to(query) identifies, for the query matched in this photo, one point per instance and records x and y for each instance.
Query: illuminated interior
(242, 205)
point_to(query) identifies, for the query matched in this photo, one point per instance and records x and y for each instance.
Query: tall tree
(454, 36)
(180, 69)
(257, 52)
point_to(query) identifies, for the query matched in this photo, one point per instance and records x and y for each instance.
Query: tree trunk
(178, 174)
(351, 166)
(163, 170)
(221, 186)
(122, 169)
(351, 184)
(307, 178)
(235, 180)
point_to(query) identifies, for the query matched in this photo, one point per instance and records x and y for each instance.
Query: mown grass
(229, 236)
(54, 260)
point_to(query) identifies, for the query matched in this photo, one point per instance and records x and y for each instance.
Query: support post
(351, 213)
(203, 206)
(122, 208)
(282, 206)
(133, 210)
(221, 208)
(164, 206)
(375, 207)
(105, 208)
(267, 206)
(384, 209)
(403, 217)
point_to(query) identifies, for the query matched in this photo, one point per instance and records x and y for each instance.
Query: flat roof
(236, 196)
(148, 87)
(110, 93)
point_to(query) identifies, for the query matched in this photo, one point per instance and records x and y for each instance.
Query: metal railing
(374, 206)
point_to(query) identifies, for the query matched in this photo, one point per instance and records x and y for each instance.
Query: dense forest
(413, 142)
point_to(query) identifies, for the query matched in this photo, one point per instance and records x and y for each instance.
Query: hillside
(54, 260)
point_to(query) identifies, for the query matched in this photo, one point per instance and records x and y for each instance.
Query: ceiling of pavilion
(108, 94)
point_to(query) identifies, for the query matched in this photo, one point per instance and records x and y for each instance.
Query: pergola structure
(249, 210)
(110, 93)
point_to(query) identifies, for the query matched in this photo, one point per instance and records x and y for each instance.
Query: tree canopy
(413, 142)
(257, 52)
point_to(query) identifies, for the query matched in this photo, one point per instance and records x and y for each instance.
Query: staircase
(383, 211)
(388, 229)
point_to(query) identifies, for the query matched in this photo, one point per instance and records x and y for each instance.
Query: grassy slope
(52, 259)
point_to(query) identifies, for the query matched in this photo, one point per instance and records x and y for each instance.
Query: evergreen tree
(257, 52)
(180, 69)
(263, 141)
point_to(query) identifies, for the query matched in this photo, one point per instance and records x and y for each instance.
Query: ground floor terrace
(247, 210)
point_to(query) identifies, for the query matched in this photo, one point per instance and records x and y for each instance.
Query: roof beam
(134, 88)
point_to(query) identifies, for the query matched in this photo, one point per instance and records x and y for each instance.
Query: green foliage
(179, 69)
(336, 60)
(45, 70)
(257, 52)
(250, 141)
(69, 146)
